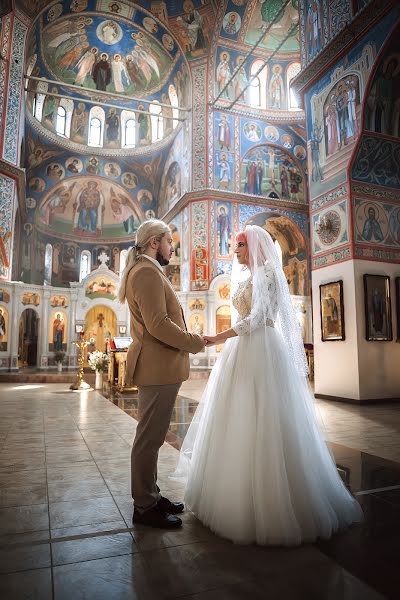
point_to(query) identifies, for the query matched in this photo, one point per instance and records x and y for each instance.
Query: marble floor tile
(21, 519)
(83, 512)
(115, 578)
(28, 585)
(89, 548)
(23, 558)
(63, 491)
(23, 495)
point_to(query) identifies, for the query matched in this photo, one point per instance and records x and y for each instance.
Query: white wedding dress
(255, 464)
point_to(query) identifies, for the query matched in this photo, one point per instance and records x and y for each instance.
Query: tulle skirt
(255, 464)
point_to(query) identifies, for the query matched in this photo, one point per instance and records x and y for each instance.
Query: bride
(254, 461)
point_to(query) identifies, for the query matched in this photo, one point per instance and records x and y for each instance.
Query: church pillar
(72, 335)
(44, 331)
(13, 328)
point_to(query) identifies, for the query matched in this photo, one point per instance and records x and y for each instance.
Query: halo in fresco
(54, 12)
(300, 152)
(150, 25)
(112, 169)
(109, 32)
(271, 133)
(79, 5)
(232, 23)
(129, 180)
(252, 131)
(371, 222)
(74, 165)
(168, 42)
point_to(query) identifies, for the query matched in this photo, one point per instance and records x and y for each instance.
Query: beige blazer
(159, 353)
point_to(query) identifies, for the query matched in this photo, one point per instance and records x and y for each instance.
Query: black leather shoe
(156, 517)
(173, 508)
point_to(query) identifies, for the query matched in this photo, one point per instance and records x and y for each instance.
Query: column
(72, 334)
(14, 329)
(44, 357)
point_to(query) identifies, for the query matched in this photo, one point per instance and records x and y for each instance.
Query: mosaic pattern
(339, 15)
(199, 127)
(11, 138)
(378, 254)
(329, 259)
(368, 190)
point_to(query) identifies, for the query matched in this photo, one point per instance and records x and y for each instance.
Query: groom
(157, 362)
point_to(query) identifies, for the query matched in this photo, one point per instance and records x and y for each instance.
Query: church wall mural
(376, 164)
(58, 331)
(334, 112)
(3, 328)
(175, 180)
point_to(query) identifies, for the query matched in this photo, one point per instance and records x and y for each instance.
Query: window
(258, 84)
(61, 121)
(293, 70)
(40, 97)
(96, 126)
(157, 122)
(173, 97)
(85, 265)
(128, 128)
(48, 264)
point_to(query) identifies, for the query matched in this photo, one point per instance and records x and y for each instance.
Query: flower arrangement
(98, 361)
(59, 356)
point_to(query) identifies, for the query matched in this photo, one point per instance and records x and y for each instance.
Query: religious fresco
(376, 223)
(100, 326)
(223, 131)
(175, 179)
(58, 301)
(197, 323)
(79, 208)
(105, 54)
(101, 287)
(273, 92)
(270, 171)
(30, 298)
(58, 331)
(224, 170)
(3, 328)
(173, 269)
(224, 229)
(336, 233)
(382, 109)
(4, 296)
(191, 22)
(267, 13)
(377, 161)
(293, 247)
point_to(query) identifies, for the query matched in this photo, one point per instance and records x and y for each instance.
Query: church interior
(210, 115)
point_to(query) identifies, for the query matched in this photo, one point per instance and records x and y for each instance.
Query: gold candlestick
(80, 384)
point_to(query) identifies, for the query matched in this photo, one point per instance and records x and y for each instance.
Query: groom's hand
(210, 340)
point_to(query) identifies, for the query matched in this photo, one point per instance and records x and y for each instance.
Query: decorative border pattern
(329, 197)
(11, 137)
(340, 255)
(378, 254)
(6, 30)
(199, 127)
(375, 192)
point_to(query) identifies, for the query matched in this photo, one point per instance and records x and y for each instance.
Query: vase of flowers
(98, 361)
(59, 357)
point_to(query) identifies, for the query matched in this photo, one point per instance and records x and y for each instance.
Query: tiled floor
(65, 509)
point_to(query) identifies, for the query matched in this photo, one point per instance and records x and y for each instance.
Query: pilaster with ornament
(4, 50)
(199, 261)
(11, 142)
(199, 129)
(7, 192)
(72, 321)
(13, 326)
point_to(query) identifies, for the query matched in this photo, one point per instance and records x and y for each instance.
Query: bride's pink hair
(241, 237)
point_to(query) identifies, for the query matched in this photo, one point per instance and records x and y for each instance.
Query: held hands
(211, 340)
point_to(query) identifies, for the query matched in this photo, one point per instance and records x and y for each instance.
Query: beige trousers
(156, 403)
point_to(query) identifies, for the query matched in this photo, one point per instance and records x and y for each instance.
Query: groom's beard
(163, 261)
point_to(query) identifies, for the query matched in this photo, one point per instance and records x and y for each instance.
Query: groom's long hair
(153, 228)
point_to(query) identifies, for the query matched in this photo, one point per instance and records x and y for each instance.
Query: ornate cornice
(341, 44)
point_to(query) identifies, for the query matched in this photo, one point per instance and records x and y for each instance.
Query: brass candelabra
(80, 384)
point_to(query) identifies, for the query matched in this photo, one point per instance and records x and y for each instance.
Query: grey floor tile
(23, 495)
(23, 558)
(83, 512)
(22, 519)
(89, 548)
(28, 585)
(62, 491)
(116, 578)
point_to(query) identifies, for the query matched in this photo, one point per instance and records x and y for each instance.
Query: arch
(85, 264)
(66, 105)
(157, 122)
(122, 260)
(293, 245)
(39, 98)
(28, 337)
(96, 126)
(128, 129)
(100, 325)
(258, 84)
(3, 328)
(292, 70)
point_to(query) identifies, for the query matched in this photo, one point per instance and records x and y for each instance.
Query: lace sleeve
(263, 306)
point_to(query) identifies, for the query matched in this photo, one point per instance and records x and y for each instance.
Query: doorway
(28, 338)
(100, 326)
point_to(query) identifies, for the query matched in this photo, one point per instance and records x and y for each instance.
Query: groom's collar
(154, 261)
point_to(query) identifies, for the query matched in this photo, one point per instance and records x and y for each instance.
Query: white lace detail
(265, 306)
